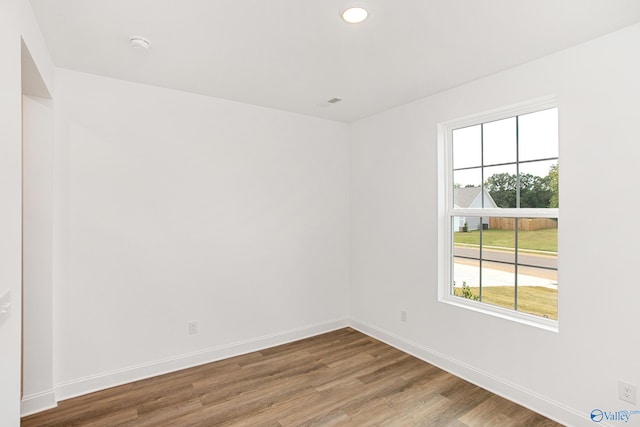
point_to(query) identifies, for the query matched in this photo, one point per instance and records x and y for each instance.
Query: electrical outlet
(627, 392)
(5, 307)
(403, 316)
(193, 327)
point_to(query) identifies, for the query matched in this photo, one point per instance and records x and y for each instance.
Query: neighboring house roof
(470, 197)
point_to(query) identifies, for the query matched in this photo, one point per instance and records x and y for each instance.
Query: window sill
(502, 313)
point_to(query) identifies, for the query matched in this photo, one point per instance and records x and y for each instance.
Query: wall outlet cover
(627, 392)
(5, 307)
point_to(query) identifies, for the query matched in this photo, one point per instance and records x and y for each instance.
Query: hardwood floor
(342, 378)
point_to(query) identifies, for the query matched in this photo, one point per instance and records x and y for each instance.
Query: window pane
(498, 262)
(540, 236)
(466, 279)
(538, 184)
(554, 201)
(538, 292)
(499, 141)
(467, 236)
(537, 266)
(499, 284)
(501, 184)
(466, 191)
(466, 258)
(499, 239)
(538, 135)
(467, 147)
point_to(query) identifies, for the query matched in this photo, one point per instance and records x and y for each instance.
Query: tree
(553, 186)
(535, 191)
(502, 187)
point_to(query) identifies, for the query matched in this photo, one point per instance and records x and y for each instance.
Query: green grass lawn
(541, 240)
(531, 299)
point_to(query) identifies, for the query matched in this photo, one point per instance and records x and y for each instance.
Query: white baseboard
(117, 377)
(38, 402)
(527, 398)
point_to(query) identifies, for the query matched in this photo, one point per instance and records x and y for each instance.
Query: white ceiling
(295, 55)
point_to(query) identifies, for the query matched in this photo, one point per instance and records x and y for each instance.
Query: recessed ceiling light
(355, 14)
(139, 42)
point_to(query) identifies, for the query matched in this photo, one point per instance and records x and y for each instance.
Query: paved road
(506, 256)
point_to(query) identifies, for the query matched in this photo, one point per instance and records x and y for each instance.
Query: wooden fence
(525, 224)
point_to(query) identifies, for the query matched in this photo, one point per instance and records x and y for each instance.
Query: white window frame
(446, 212)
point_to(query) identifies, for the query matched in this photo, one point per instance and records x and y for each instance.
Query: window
(500, 223)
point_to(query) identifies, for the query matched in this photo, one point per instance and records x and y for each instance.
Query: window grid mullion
(516, 220)
(482, 204)
(506, 163)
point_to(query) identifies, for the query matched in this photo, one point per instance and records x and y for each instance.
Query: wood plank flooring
(342, 378)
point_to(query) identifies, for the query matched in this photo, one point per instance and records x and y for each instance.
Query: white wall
(37, 244)
(175, 207)
(394, 232)
(16, 21)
